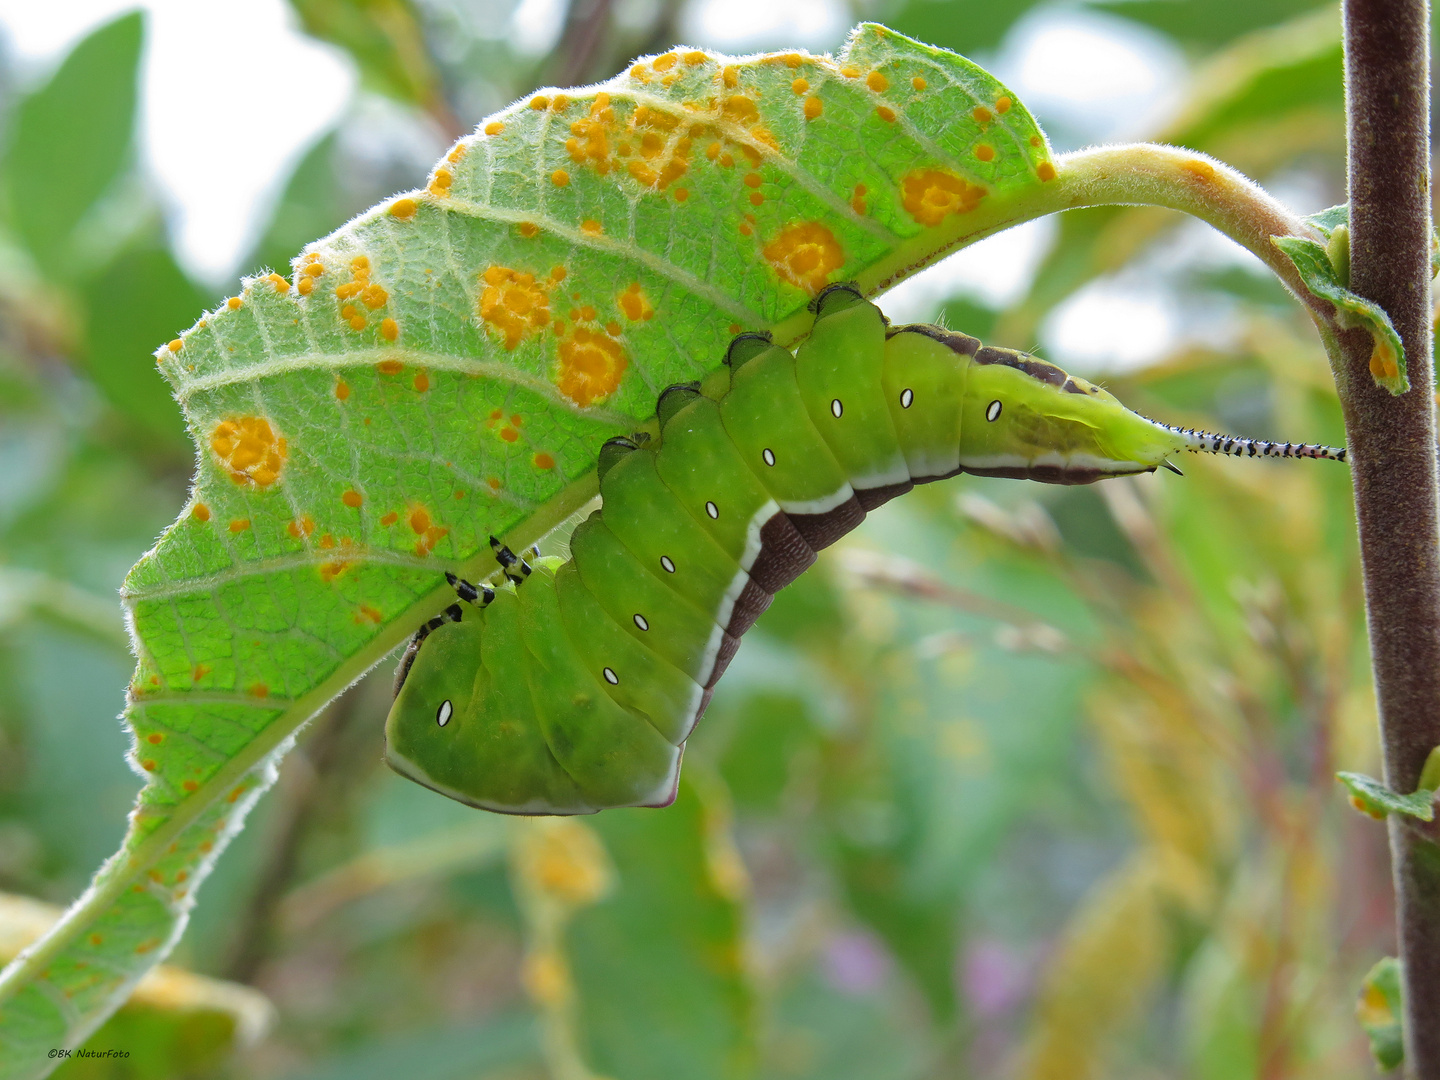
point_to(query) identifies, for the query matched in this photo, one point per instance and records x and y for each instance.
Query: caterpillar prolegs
(574, 685)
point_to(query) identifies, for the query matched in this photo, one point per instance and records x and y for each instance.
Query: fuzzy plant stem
(1392, 453)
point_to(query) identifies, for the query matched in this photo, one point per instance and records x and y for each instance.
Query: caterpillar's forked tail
(1204, 442)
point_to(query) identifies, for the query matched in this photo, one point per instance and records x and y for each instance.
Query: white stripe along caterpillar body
(575, 684)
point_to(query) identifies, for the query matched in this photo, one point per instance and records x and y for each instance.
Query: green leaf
(1387, 358)
(142, 297)
(659, 965)
(72, 140)
(386, 39)
(1371, 796)
(1207, 22)
(1380, 1011)
(451, 373)
(176, 1023)
(1327, 221)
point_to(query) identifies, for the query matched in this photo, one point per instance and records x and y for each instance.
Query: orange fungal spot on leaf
(543, 461)
(155, 738)
(931, 195)
(528, 229)
(1002, 105)
(259, 690)
(420, 519)
(234, 303)
(539, 103)
(200, 512)
(306, 286)
(1045, 171)
(374, 296)
(389, 329)
(695, 57)
(176, 345)
(984, 152)
(249, 449)
(189, 785)
(877, 82)
(390, 518)
(918, 83)
(665, 62)
(352, 499)
(884, 112)
(390, 367)
(799, 87)
(805, 255)
(634, 304)
(357, 323)
(982, 115)
(494, 127)
(591, 366)
(591, 227)
(422, 382)
(560, 178)
(239, 525)
(813, 108)
(514, 303)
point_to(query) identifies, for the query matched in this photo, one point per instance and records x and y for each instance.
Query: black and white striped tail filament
(1204, 442)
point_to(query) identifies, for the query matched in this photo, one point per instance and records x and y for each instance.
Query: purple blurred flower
(856, 963)
(994, 978)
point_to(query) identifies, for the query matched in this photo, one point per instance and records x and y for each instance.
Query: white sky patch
(1101, 76)
(740, 26)
(536, 25)
(231, 96)
(1111, 326)
(995, 272)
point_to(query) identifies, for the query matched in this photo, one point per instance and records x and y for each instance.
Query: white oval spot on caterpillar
(836, 408)
(641, 621)
(667, 564)
(713, 511)
(992, 411)
(611, 677)
(907, 398)
(442, 714)
(768, 455)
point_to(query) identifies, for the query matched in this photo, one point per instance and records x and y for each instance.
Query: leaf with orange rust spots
(445, 368)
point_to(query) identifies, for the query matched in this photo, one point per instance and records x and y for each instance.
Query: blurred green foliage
(1019, 782)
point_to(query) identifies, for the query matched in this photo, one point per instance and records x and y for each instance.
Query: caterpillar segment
(571, 686)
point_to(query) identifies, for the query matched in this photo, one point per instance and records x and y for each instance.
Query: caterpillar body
(575, 685)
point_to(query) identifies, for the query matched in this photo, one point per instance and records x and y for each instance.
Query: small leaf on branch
(1313, 263)
(1372, 797)
(1379, 1011)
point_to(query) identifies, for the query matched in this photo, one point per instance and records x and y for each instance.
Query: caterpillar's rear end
(574, 688)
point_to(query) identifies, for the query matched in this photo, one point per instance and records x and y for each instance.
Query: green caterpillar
(577, 684)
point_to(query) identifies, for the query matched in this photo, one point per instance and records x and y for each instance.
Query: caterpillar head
(1024, 417)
